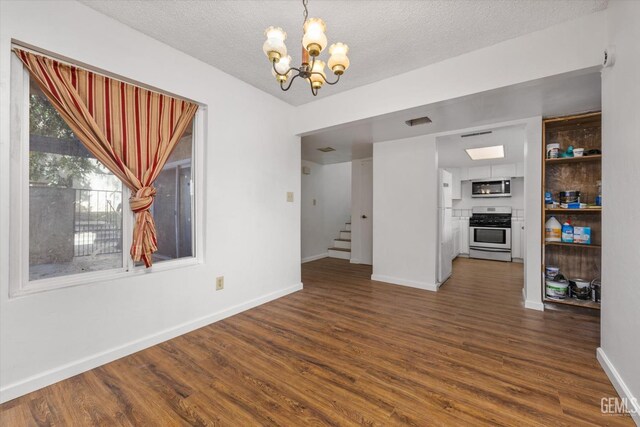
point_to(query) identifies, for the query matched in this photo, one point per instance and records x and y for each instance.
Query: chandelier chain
(306, 12)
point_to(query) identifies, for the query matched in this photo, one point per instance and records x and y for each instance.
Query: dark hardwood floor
(348, 351)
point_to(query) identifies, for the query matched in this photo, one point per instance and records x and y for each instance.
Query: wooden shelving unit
(575, 245)
(575, 302)
(561, 211)
(574, 260)
(593, 158)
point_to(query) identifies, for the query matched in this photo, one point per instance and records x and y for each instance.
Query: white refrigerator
(445, 230)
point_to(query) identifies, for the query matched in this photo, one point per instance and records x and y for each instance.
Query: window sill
(81, 279)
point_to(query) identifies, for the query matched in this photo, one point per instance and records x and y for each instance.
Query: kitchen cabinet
(456, 237)
(511, 170)
(479, 172)
(464, 174)
(463, 225)
(503, 171)
(456, 183)
(517, 238)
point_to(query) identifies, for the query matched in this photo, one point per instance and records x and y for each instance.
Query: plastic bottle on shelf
(567, 232)
(553, 230)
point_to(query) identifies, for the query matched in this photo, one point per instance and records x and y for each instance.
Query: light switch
(290, 196)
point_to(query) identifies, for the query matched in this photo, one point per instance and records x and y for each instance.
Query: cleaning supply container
(567, 232)
(553, 230)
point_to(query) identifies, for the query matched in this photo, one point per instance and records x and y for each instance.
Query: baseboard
(404, 282)
(534, 305)
(619, 385)
(55, 375)
(354, 261)
(314, 257)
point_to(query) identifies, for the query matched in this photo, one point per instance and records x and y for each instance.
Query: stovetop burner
(491, 217)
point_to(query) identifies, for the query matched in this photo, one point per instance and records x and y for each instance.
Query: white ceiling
(551, 96)
(451, 148)
(386, 38)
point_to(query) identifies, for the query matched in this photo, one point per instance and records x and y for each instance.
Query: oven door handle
(489, 249)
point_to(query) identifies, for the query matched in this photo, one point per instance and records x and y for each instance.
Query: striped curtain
(130, 130)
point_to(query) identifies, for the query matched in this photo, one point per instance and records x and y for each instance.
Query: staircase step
(345, 234)
(339, 253)
(342, 243)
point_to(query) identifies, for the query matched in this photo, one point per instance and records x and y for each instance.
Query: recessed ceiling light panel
(486, 153)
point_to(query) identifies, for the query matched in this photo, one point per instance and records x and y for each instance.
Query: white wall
(532, 290)
(337, 196)
(252, 235)
(312, 241)
(620, 342)
(516, 201)
(330, 186)
(570, 46)
(404, 212)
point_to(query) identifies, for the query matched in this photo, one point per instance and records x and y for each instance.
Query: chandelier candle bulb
(274, 46)
(317, 76)
(338, 62)
(314, 39)
(283, 66)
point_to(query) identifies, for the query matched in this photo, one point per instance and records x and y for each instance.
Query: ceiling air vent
(327, 149)
(419, 121)
(476, 134)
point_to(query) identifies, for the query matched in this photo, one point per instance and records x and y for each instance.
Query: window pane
(75, 204)
(172, 207)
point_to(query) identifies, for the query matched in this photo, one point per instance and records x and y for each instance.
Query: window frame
(20, 285)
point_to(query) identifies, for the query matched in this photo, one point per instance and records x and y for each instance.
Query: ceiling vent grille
(466, 135)
(327, 149)
(418, 121)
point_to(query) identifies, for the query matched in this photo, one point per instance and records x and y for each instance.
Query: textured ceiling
(385, 38)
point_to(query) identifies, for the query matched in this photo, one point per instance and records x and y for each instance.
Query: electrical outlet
(290, 196)
(219, 283)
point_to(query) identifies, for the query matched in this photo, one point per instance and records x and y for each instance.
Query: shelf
(596, 211)
(575, 302)
(573, 245)
(564, 160)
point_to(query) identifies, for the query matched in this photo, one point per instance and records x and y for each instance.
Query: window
(75, 204)
(74, 224)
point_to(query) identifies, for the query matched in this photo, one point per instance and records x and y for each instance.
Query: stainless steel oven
(490, 233)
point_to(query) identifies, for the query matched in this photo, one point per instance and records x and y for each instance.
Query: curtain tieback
(143, 199)
(144, 231)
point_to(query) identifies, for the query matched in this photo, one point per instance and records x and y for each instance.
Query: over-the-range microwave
(497, 187)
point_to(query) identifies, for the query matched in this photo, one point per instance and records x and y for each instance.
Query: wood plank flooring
(349, 351)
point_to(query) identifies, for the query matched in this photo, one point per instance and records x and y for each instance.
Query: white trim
(20, 388)
(354, 261)
(534, 305)
(314, 257)
(619, 384)
(405, 282)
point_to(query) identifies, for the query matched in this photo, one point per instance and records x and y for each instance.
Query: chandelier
(313, 43)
